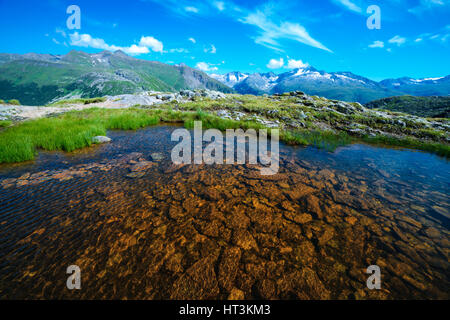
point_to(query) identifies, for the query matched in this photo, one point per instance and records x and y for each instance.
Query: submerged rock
(229, 267)
(157, 156)
(236, 294)
(199, 282)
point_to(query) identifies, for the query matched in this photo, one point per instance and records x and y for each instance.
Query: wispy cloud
(185, 8)
(428, 5)
(61, 32)
(398, 40)
(270, 32)
(192, 40)
(220, 5)
(179, 50)
(350, 5)
(191, 9)
(377, 44)
(211, 49)
(145, 45)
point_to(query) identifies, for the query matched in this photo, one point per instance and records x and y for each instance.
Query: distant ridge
(36, 79)
(344, 86)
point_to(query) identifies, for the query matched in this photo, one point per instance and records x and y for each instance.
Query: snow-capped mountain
(420, 87)
(230, 79)
(334, 85)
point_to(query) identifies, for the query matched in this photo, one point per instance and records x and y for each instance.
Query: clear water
(202, 232)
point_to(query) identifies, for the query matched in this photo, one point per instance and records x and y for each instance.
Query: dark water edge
(141, 228)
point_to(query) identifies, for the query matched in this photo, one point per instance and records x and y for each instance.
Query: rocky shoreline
(20, 113)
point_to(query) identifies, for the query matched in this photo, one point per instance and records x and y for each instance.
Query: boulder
(101, 139)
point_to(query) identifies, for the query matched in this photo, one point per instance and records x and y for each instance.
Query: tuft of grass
(14, 102)
(68, 132)
(210, 121)
(5, 123)
(321, 139)
(2, 101)
(412, 143)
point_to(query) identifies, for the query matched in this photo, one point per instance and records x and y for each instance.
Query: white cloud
(349, 5)
(377, 44)
(206, 67)
(271, 32)
(296, 64)
(146, 43)
(191, 9)
(398, 40)
(418, 40)
(220, 5)
(211, 49)
(275, 64)
(135, 50)
(192, 40)
(152, 43)
(55, 41)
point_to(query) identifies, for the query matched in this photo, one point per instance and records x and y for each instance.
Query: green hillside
(39, 79)
(431, 107)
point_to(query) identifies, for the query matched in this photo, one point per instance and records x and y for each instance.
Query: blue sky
(249, 36)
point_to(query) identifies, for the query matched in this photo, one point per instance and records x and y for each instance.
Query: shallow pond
(140, 227)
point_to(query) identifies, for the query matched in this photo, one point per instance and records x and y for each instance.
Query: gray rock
(101, 139)
(345, 108)
(168, 97)
(302, 115)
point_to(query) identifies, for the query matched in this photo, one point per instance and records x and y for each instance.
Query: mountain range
(344, 86)
(37, 79)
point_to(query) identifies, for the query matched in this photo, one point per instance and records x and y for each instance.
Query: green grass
(2, 101)
(68, 132)
(412, 143)
(75, 130)
(14, 102)
(210, 121)
(5, 123)
(321, 139)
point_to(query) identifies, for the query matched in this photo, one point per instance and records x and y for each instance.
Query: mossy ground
(321, 126)
(77, 101)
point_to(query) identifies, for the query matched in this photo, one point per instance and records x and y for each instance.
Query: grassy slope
(433, 107)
